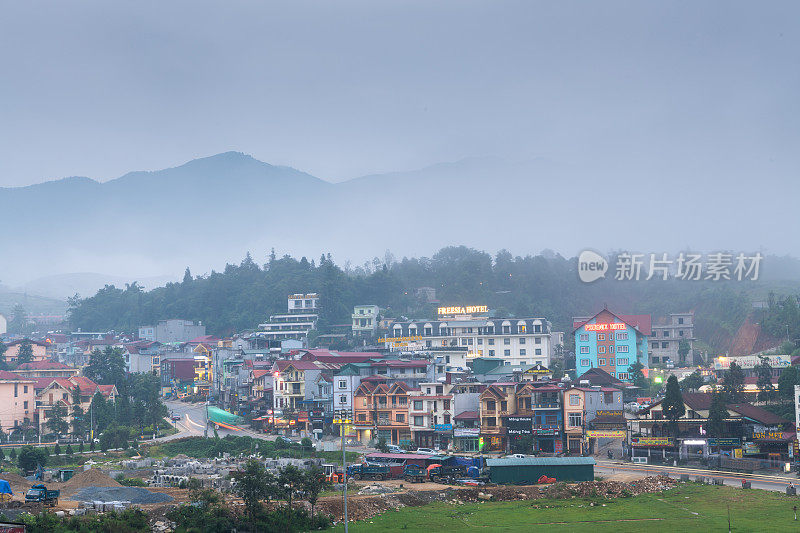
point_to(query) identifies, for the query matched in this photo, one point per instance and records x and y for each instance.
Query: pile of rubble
(365, 508)
(375, 490)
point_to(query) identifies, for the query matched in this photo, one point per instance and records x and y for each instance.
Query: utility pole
(342, 420)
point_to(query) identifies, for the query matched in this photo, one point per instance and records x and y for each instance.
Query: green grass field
(686, 508)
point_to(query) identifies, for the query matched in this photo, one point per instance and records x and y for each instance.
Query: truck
(445, 473)
(369, 471)
(332, 473)
(414, 473)
(41, 494)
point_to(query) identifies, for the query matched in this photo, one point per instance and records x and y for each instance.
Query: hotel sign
(468, 310)
(604, 327)
(605, 433)
(400, 339)
(651, 441)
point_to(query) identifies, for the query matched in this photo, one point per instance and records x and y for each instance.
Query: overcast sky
(341, 89)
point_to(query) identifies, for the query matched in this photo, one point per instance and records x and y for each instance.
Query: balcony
(547, 405)
(493, 430)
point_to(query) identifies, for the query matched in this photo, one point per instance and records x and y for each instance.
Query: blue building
(611, 342)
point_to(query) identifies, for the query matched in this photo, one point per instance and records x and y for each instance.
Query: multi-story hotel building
(611, 342)
(301, 318)
(668, 332)
(515, 340)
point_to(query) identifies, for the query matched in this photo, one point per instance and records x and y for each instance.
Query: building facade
(172, 331)
(667, 336)
(301, 317)
(611, 342)
(365, 320)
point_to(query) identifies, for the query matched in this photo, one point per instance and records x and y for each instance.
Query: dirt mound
(17, 482)
(87, 478)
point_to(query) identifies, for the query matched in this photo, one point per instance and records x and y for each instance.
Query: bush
(130, 481)
(91, 446)
(68, 451)
(56, 449)
(80, 447)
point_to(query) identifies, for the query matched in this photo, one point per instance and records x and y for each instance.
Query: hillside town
(463, 381)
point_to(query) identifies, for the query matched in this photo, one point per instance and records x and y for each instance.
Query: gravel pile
(123, 494)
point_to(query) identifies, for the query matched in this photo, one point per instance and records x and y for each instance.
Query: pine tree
(25, 354)
(672, 404)
(733, 384)
(717, 414)
(764, 383)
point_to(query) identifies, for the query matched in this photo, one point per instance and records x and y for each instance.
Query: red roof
(43, 365)
(467, 415)
(260, 372)
(19, 341)
(5, 375)
(298, 365)
(205, 339)
(401, 364)
(640, 322)
(42, 383)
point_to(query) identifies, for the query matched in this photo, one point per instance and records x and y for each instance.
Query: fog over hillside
(212, 210)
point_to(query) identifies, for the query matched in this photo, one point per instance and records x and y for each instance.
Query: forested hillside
(544, 285)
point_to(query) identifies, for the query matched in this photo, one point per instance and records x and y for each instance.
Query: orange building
(381, 410)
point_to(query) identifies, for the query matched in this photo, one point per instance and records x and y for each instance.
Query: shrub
(69, 449)
(56, 449)
(30, 458)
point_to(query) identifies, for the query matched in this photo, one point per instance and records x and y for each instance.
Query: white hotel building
(515, 340)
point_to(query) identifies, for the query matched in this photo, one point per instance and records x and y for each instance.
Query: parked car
(426, 450)
(175, 418)
(394, 448)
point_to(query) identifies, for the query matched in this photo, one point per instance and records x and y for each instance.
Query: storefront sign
(605, 433)
(468, 310)
(751, 361)
(750, 448)
(732, 441)
(545, 432)
(559, 446)
(652, 442)
(443, 427)
(797, 407)
(609, 412)
(519, 425)
(737, 453)
(466, 432)
(604, 327)
(769, 435)
(400, 339)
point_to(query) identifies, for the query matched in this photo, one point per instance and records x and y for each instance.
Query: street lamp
(342, 418)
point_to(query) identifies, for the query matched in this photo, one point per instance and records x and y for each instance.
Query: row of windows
(522, 352)
(664, 344)
(602, 349)
(621, 336)
(482, 330)
(602, 362)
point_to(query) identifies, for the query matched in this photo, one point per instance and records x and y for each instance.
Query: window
(610, 349)
(601, 349)
(680, 333)
(622, 361)
(666, 333)
(665, 345)
(469, 341)
(584, 337)
(521, 328)
(418, 421)
(622, 336)
(506, 352)
(654, 344)
(538, 351)
(601, 362)
(506, 341)
(418, 405)
(601, 336)
(15, 390)
(491, 405)
(480, 342)
(584, 349)
(575, 420)
(342, 384)
(574, 399)
(428, 332)
(463, 341)
(522, 340)
(400, 417)
(522, 351)
(491, 342)
(538, 340)
(584, 362)
(491, 353)
(611, 362)
(506, 329)
(680, 321)
(25, 390)
(622, 375)
(613, 374)
(503, 405)
(362, 417)
(342, 399)
(622, 349)
(25, 404)
(402, 400)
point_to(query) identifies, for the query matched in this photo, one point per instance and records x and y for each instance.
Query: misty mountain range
(212, 210)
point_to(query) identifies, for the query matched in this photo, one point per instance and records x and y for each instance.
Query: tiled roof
(467, 415)
(43, 365)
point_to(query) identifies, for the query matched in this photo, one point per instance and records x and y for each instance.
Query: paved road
(758, 481)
